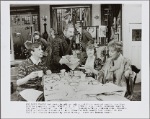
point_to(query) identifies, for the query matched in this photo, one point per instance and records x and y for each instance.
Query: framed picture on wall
(102, 31)
(136, 34)
(92, 30)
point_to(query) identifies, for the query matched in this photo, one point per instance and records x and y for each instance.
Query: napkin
(30, 94)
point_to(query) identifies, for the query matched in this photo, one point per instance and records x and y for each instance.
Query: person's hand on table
(88, 69)
(91, 70)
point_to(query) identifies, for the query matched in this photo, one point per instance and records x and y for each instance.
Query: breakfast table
(75, 86)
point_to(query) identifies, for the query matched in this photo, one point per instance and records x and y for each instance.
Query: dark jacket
(61, 47)
(86, 39)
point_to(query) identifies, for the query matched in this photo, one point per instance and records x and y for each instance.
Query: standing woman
(52, 36)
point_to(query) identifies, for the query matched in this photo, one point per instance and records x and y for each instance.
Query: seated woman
(29, 70)
(92, 63)
(117, 68)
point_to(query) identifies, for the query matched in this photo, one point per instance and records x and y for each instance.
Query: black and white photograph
(75, 52)
(49, 65)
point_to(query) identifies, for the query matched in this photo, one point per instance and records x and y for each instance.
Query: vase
(45, 34)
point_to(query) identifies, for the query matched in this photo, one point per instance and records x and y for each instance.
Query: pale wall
(96, 11)
(44, 11)
(130, 14)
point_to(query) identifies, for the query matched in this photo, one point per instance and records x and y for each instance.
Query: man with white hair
(62, 46)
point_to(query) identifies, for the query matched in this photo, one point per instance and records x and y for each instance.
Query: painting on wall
(102, 31)
(136, 34)
(92, 30)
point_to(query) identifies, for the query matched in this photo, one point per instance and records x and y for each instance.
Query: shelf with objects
(24, 20)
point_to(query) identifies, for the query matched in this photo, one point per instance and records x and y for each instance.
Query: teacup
(40, 73)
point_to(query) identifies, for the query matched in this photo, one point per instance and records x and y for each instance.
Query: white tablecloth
(65, 90)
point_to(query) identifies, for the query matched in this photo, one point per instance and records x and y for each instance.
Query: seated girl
(31, 70)
(117, 68)
(92, 63)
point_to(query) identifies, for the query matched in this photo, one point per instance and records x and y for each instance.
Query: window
(23, 21)
(63, 14)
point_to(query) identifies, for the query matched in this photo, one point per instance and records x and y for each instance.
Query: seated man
(30, 70)
(117, 68)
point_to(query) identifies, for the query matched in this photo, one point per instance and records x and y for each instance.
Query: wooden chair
(129, 82)
(14, 71)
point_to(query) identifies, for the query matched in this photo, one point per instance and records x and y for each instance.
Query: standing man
(86, 40)
(62, 46)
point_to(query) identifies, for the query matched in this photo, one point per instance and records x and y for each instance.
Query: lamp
(44, 18)
(96, 17)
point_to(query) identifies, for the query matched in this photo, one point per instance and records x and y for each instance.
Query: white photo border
(12, 109)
